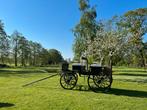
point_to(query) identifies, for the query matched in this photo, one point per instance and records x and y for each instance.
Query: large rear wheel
(102, 81)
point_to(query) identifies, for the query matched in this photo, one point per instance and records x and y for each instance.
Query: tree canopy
(16, 49)
(117, 41)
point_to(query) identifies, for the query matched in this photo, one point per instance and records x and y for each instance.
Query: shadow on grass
(7, 73)
(18, 72)
(82, 88)
(129, 74)
(3, 105)
(138, 80)
(126, 92)
(114, 91)
(128, 71)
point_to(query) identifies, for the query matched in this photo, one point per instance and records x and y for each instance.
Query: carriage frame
(98, 77)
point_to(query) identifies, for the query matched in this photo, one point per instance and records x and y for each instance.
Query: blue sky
(50, 21)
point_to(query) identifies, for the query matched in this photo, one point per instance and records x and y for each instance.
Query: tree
(44, 55)
(55, 56)
(19, 50)
(4, 43)
(38, 50)
(31, 55)
(16, 36)
(35, 53)
(85, 30)
(135, 22)
(23, 50)
(145, 53)
(108, 42)
(79, 47)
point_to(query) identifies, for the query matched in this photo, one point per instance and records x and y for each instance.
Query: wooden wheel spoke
(68, 81)
(100, 81)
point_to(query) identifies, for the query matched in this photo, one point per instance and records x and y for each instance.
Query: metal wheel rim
(102, 81)
(68, 81)
(96, 82)
(91, 82)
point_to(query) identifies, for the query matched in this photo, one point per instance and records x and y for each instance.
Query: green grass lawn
(129, 91)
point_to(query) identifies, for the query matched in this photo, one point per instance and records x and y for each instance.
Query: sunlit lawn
(129, 91)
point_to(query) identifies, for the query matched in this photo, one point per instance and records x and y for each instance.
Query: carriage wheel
(76, 75)
(102, 81)
(91, 83)
(68, 81)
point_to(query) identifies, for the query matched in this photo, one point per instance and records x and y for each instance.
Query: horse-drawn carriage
(98, 76)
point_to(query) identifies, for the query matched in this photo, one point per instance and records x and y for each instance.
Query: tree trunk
(101, 60)
(34, 60)
(142, 58)
(15, 58)
(110, 59)
(22, 59)
(110, 62)
(2, 59)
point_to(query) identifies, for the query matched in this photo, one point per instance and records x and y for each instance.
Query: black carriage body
(96, 70)
(79, 68)
(98, 76)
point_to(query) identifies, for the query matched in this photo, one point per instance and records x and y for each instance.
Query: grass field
(129, 91)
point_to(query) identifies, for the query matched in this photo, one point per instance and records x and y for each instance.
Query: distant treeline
(117, 41)
(16, 49)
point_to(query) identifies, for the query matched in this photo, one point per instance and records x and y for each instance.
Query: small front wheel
(68, 81)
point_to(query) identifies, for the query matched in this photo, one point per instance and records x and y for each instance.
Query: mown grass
(129, 91)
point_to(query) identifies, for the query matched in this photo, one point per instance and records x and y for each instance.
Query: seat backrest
(65, 66)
